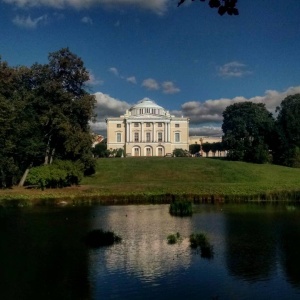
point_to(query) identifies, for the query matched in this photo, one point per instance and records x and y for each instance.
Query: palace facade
(147, 129)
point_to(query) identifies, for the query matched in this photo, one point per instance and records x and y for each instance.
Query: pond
(256, 253)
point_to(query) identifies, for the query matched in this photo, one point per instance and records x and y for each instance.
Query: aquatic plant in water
(181, 208)
(201, 240)
(173, 238)
(97, 238)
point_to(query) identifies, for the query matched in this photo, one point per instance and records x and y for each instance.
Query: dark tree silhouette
(224, 6)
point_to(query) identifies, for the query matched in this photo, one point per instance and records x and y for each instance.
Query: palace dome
(147, 106)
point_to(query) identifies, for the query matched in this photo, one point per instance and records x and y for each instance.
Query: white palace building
(147, 129)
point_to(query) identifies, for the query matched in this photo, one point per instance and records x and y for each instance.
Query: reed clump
(173, 238)
(98, 238)
(200, 240)
(181, 208)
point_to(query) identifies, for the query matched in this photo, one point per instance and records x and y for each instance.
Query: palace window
(147, 124)
(136, 136)
(159, 124)
(177, 137)
(136, 151)
(119, 125)
(136, 124)
(148, 151)
(176, 125)
(118, 137)
(159, 150)
(159, 136)
(148, 137)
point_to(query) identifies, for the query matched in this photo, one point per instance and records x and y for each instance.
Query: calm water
(257, 250)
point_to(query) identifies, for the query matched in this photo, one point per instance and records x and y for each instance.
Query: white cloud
(93, 80)
(87, 20)
(157, 6)
(233, 69)
(169, 88)
(131, 79)
(114, 71)
(212, 131)
(99, 127)
(150, 84)
(27, 22)
(107, 106)
(205, 117)
(211, 110)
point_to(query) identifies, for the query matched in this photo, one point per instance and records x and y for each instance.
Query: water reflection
(41, 256)
(251, 245)
(144, 251)
(256, 250)
(289, 243)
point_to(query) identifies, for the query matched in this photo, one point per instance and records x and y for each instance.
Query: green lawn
(163, 179)
(191, 176)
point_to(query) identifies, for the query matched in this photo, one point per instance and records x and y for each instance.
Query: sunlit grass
(164, 180)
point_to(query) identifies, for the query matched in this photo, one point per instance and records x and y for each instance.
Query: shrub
(181, 153)
(181, 208)
(57, 175)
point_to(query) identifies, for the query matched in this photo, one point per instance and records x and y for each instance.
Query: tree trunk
(47, 154)
(23, 179)
(51, 156)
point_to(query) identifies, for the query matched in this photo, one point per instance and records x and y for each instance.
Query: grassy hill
(163, 179)
(198, 176)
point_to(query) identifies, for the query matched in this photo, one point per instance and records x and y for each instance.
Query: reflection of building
(147, 129)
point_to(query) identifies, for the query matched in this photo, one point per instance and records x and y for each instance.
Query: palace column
(165, 131)
(142, 130)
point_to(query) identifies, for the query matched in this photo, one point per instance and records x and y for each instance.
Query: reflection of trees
(42, 256)
(251, 247)
(290, 249)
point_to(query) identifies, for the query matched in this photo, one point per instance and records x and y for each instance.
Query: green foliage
(173, 238)
(181, 208)
(248, 129)
(223, 6)
(99, 238)
(50, 101)
(100, 150)
(180, 153)
(201, 240)
(194, 148)
(286, 148)
(57, 175)
(206, 147)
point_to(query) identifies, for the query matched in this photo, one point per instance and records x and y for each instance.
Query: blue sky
(189, 60)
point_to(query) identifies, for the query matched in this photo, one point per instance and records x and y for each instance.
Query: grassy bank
(161, 180)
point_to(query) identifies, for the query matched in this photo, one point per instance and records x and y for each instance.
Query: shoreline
(84, 195)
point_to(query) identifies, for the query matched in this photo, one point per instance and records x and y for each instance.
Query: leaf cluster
(223, 6)
(45, 112)
(57, 175)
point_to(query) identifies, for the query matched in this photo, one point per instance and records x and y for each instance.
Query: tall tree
(248, 129)
(44, 113)
(288, 129)
(64, 106)
(223, 6)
